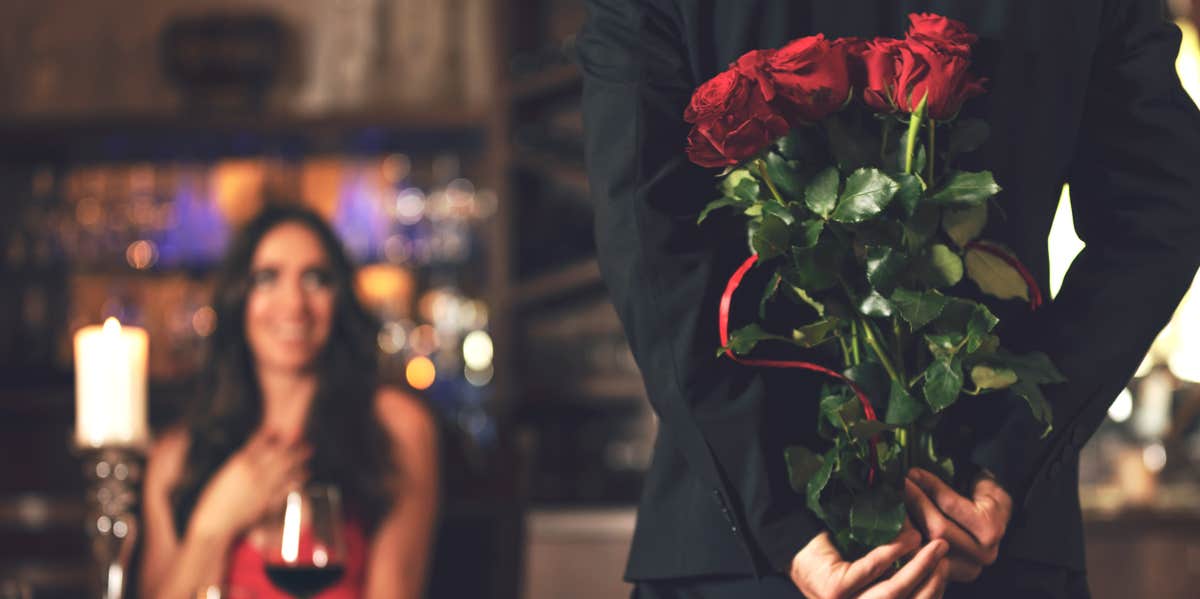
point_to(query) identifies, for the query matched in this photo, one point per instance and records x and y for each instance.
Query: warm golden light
(141, 254)
(385, 286)
(420, 372)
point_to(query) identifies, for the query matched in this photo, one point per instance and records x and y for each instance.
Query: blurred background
(442, 138)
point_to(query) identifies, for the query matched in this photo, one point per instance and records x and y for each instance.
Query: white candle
(110, 385)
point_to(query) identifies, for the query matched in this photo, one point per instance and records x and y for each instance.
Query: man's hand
(820, 572)
(973, 527)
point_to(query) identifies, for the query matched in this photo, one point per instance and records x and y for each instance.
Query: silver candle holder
(113, 474)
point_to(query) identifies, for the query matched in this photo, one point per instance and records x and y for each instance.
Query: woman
(290, 396)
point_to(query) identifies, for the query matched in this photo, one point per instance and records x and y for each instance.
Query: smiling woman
(290, 398)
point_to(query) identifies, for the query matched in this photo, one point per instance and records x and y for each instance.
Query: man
(1079, 91)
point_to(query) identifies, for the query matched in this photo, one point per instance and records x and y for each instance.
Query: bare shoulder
(165, 460)
(404, 416)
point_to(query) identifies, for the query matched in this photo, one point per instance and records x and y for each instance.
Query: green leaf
(742, 185)
(784, 174)
(715, 204)
(818, 481)
(822, 193)
(920, 159)
(771, 239)
(884, 267)
(966, 189)
(943, 267)
(863, 430)
(879, 232)
(814, 334)
(814, 269)
(965, 224)
(981, 323)
(909, 194)
(943, 382)
(876, 305)
(1037, 404)
(988, 345)
(768, 293)
(902, 409)
(994, 276)
(1034, 367)
(868, 191)
(802, 465)
(871, 377)
(807, 233)
(876, 516)
(743, 340)
(841, 409)
(921, 227)
(799, 295)
(944, 345)
(988, 377)
(965, 316)
(918, 308)
(778, 211)
(895, 160)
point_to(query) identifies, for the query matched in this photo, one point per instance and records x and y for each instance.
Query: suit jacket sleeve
(665, 273)
(1135, 196)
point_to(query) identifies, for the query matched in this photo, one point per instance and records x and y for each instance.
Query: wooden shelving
(154, 136)
(553, 80)
(582, 274)
(557, 169)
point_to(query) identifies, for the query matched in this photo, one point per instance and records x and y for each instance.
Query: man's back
(1078, 90)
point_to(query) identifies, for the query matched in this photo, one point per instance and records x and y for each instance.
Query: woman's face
(289, 310)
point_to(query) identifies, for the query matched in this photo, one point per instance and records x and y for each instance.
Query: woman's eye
(316, 279)
(263, 277)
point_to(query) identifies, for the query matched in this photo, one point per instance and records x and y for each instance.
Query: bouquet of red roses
(833, 151)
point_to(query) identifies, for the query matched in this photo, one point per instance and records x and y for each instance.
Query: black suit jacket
(1080, 91)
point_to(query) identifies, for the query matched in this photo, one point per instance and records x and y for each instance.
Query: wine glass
(306, 550)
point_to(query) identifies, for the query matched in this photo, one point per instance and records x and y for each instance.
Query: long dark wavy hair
(350, 446)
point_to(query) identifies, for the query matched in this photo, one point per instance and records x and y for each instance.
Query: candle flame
(112, 326)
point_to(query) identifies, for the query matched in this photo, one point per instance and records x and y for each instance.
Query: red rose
(947, 79)
(879, 60)
(811, 77)
(716, 96)
(944, 35)
(753, 66)
(854, 48)
(735, 124)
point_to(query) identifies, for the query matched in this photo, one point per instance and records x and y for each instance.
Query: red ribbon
(1035, 300)
(723, 327)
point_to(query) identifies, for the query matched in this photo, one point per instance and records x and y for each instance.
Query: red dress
(247, 567)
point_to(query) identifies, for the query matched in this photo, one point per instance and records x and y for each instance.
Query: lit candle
(110, 385)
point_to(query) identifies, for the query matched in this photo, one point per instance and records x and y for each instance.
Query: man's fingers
(962, 568)
(875, 563)
(959, 508)
(904, 582)
(935, 586)
(937, 526)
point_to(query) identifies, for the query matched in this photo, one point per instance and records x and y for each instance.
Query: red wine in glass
(303, 581)
(307, 550)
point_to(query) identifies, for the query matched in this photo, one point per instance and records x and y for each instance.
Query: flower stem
(873, 341)
(899, 347)
(762, 170)
(914, 129)
(887, 133)
(931, 155)
(854, 341)
(914, 379)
